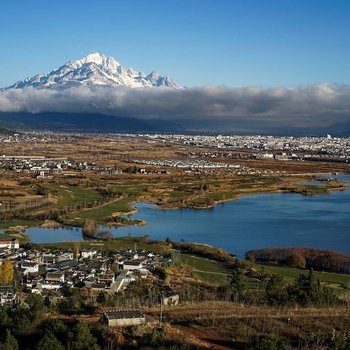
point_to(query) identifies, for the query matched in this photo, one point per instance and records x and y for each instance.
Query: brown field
(225, 325)
(108, 150)
(70, 200)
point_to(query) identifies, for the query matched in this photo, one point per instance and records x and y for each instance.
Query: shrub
(266, 342)
(296, 260)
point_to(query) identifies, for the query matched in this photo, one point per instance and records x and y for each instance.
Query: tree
(72, 303)
(5, 320)
(47, 301)
(58, 329)
(275, 291)
(49, 341)
(266, 342)
(6, 272)
(311, 276)
(156, 337)
(76, 252)
(101, 298)
(35, 304)
(296, 260)
(20, 319)
(10, 342)
(90, 228)
(302, 290)
(237, 283)
(308, 291)
(105, 235)
(83, 339)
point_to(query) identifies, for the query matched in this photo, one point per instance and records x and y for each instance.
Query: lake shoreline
(164, 207)
(159, 206)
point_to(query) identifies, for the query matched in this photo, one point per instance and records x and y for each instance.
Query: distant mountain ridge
(96, 122)
(96, 69)
(84, 122)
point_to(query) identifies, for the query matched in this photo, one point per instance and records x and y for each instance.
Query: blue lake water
(254, 221)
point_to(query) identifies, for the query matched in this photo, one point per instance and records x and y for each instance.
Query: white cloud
(315, 104)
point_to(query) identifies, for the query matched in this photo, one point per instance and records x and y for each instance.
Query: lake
(254, 221)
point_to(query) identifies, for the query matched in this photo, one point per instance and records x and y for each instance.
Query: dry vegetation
(104, 198)
(71, 201)
(232, 325)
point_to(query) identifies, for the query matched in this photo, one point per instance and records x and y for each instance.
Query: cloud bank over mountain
(98, 84)
(299, 106)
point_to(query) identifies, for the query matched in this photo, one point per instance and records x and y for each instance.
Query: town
(52, 273)
(325, 148)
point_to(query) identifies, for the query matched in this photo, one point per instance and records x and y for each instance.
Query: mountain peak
(154, 74)
(97, 58)
(96, 69)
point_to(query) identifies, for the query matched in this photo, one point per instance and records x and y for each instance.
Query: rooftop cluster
(52, 273)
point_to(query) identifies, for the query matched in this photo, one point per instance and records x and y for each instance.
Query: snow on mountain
(96, 69)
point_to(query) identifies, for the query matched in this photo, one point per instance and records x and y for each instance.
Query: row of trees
(303, 258)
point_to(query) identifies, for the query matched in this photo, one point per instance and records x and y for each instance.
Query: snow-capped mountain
(96, 69)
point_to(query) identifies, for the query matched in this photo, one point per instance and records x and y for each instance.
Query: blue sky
(197, 42)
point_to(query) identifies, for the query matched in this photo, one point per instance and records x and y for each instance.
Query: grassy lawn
(11, 223)
(101, 213)
(132, 189)
(212, 278)
(130, 193)
(289, 274)
(206, 270)
(175, 196)
(216, 273)
(314, 189)
(72, 195)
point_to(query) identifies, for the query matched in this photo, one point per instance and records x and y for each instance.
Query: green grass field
(12, 223)
(216, 273)
(336, 280)
(206, 270)
(71, 195)
(132, 189)
(100, 213)
(314, 189)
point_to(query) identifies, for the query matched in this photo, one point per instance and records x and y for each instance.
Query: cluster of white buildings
(327, 146)
(187, 164)
(9, 137)
(50, 272)
(41, 166)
